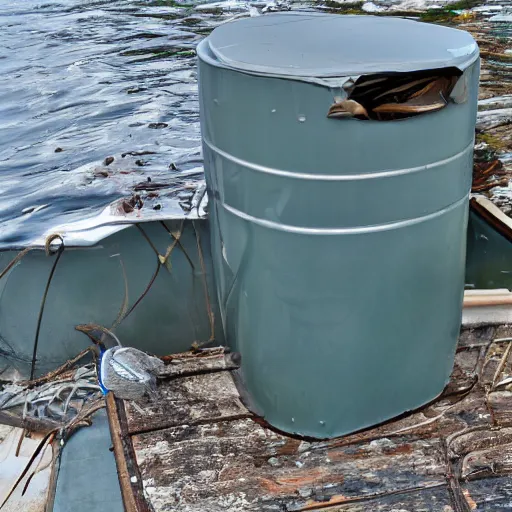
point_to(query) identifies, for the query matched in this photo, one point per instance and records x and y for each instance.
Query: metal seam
(334, 177)
(343, 231)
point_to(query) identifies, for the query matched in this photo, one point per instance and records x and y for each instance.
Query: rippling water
(84, 80)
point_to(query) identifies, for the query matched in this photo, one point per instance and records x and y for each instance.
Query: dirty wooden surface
(200, 450)
(493, 144)
(200, 398)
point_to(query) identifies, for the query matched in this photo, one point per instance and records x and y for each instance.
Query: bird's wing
(126, 370)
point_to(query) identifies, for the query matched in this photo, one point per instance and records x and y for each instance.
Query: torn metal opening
(392, 96)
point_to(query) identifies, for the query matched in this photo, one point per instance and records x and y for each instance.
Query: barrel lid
(306, 45)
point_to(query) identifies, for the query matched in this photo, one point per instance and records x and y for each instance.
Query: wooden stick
(129, 502)
(471, 301)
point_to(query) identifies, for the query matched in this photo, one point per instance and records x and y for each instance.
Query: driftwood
(199, 449)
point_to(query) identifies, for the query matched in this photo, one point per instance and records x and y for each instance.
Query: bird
(129, 373)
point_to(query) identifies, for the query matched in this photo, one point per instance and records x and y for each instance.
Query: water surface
(83, 80)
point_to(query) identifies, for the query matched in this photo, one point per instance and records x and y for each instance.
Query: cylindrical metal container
(338, 244)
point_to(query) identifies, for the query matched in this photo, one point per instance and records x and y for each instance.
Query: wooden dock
(198, 449)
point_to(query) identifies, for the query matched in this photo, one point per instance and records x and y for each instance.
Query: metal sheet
(87, 478)
(88, 287)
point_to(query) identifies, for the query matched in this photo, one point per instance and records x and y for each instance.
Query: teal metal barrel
(338, 244)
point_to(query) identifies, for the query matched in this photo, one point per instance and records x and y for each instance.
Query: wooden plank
(189, 363)
(467, 442)
(494, 457)
(464, 373)
(129, 476)
(239, 465)
(481, 452)
(198, 449)
(483, 298)
(500, 405)
(481, 336)
(490, 494)
(496, 368)
(54, 475)
(436, 499)
(485, 463)
(188, 400)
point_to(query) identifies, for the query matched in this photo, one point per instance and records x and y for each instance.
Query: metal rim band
(334, 177)
(343, 231)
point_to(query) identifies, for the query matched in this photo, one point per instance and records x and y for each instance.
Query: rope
(59, 252)
(146, 290)
(87, 328)
(14, 261)
(177, 239)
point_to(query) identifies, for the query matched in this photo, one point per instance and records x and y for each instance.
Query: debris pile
(488, 171)
(396, 96)
(52, 402)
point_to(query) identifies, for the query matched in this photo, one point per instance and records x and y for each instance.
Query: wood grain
(212, 396)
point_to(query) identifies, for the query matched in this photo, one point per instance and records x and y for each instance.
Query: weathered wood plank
(481, 452)
(129, 477)
(481, 336)
(490, 494)
(466, 442)
(188, 400)
(500, 404)
(436, 499)
(239, 465)
(188, 363)
(464, 373)
(487, 462)
(198, 449)
(494, 355)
